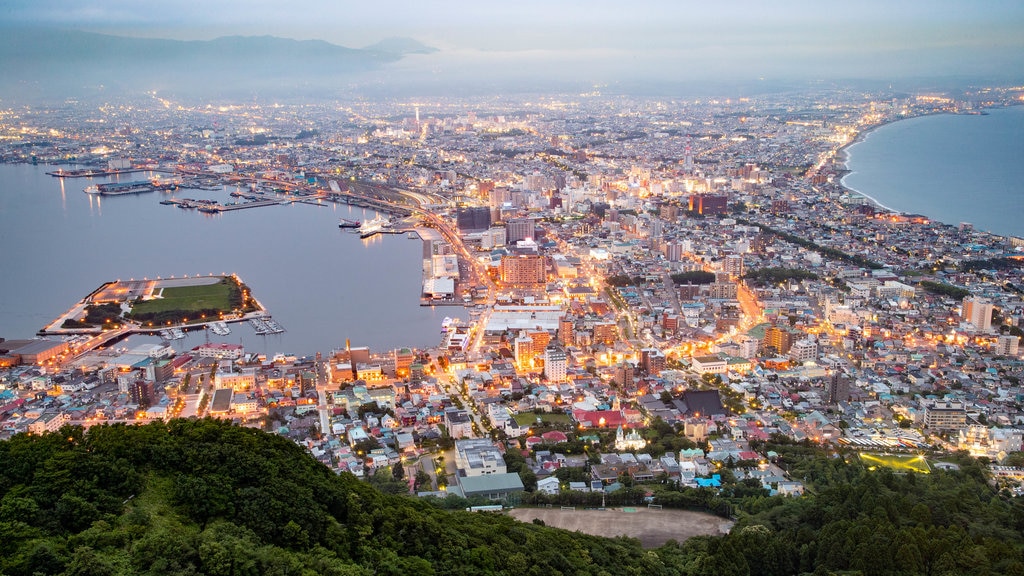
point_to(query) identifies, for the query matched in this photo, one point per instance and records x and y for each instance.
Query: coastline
(843, 158)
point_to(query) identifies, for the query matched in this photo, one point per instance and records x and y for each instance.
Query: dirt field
(652, 527)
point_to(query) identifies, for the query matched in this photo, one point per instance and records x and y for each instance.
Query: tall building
(837, 388)
(709, 204)
(778, 339)
(565, 330)
(652, 361)
(734, 265)
(473, 219)
(518, 229)
(673, 251)
(978, 311)
(945, 416)
(1007, 345)
(525, 269)
(556, 364)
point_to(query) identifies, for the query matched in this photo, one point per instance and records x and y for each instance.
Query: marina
(219, 328)
(265, 325)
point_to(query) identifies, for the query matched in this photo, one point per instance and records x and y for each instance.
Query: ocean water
(951, 168)
(321, 283)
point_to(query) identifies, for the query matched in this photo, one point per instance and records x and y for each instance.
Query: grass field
(652, 528)
(188, 299)
(898, 462)
(529, 418)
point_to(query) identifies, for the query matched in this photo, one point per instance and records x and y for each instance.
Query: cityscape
(600, 267)
(651, 305)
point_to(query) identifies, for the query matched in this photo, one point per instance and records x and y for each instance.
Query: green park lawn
(188, 299)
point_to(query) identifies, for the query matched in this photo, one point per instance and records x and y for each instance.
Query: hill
(82, 64)
(207, 497)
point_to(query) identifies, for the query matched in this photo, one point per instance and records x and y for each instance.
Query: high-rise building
(565, 330)
(473, 219)
(778, 339)
(556, 364)
(941, 415)
(1007, 345)
(734, 265)
(709, 204)
(652, 361)
(523, 269)
(837, 388)
(673, 251)
(518, 229)
(978, 311)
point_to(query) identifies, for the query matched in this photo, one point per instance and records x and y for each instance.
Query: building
(505, 486)
(733, 265)
(709, 204)
(1007, 345)
(473, 219)
(404, 359)
(652, 361)
(629, 442)
(804, 350)
(478, 457)
(723, 290)
(517, 229)
(837, 388)
(49, 423)
(978, 312)
(778, 339)
(221, 350)
(458, 423)
(945, 416)
(556, 364)
(709, 365)
(523, 270)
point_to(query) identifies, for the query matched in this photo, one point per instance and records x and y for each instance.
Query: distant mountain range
(63, 63)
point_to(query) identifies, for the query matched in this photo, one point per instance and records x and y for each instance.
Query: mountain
(68, 63)
(400, 45)
(207, 497)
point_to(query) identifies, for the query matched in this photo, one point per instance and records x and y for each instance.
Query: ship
(374, 226)
(345, 223)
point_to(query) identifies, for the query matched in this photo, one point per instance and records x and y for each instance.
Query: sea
(950, 167)
(321, 283)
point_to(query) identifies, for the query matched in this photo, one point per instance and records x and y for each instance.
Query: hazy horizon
(534, 43)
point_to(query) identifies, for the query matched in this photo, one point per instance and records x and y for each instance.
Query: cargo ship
(345, 223)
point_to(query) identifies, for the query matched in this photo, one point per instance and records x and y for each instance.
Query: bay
(951, 168)
(322, 283)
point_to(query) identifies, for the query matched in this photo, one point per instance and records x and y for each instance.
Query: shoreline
(843, 158)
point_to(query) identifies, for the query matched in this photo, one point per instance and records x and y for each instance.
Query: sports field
(652, 527)
(899, 462)
(187, 299)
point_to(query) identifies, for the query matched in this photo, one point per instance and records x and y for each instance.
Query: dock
(265, 325)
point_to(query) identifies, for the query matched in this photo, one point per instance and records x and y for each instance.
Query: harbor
(264, 325)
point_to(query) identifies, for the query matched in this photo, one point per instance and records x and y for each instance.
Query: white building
(556, 364)
(478, 457)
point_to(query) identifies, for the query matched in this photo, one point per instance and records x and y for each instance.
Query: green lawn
(529, 418)
(897, 462)
(188, 299)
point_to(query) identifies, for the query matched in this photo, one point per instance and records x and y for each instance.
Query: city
(639, 291)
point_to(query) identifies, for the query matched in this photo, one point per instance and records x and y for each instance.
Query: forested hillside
(206, 497)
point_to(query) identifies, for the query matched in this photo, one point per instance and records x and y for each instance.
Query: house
(549, 485)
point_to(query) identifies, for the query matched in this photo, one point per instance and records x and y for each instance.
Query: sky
(602, 39)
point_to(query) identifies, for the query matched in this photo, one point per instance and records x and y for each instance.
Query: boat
(345, 223)
(220, 328)
(374, 226)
